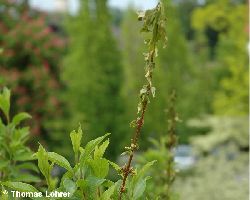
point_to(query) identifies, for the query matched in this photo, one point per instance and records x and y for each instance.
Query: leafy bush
(223, 176)
(224, 130)
(87, 179)
(16, 159)
(221, 173)
(228, 41)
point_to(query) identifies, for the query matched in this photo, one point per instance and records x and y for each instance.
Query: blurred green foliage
(221, 171)
(93, 73)
(231, 53)
(176, 69)
(102, 79)
(163, 150)
(157, 187)
(224, 130)
(217, 177)
(222, 168)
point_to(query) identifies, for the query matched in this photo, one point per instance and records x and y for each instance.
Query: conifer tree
(175, 72)
(93, 72)
(133, 61)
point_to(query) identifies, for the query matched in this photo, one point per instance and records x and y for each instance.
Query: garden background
(86, 66)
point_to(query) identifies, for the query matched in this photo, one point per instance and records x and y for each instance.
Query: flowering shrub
(30, 62)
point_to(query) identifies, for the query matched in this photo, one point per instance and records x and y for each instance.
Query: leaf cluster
(86, 179)
(16, 158)
(154, 23)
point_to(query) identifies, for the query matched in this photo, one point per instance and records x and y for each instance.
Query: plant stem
(128, 168)
(154, 23)
(172, 141)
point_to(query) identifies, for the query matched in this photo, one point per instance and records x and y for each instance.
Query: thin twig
(128, 168)
(153, 22)
(172, 141)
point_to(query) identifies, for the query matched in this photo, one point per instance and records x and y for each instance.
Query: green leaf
(28, 166)
(82, 183)
(99, 151)
(70, 186)
(67, 175)
(59, 160)
(43, 163)
(90, 184)
(108, 183)
(27, 178)
(115, 166)
(100, 167)
(4, 164)
(24, 155)
(143, 170)
(76, 139)
(20, 117)
(19, 186)
(5, 102)
(21, 134)
(90, 146)
(139, 188)
(109, 192)
(138, 183)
